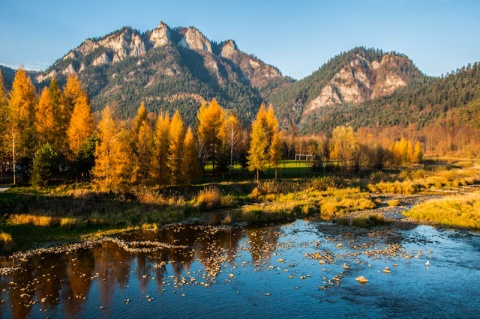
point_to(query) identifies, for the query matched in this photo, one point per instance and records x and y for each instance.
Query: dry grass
(6, 241)
(406, 187)
(42, 220)
(459, 211)
(209, 197)
(149, 226)
(393, 202)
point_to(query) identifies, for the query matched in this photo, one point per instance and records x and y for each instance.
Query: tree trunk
(13, 159)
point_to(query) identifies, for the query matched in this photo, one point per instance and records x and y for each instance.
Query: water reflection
(102, 278)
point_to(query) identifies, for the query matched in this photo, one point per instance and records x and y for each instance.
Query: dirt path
(4, 188)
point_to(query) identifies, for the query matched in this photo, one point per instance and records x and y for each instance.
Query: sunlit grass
(459, 211)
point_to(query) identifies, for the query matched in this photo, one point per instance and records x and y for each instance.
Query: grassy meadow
(71, 212)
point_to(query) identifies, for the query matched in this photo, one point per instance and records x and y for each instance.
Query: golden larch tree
(143, 151)
(175, 149)
(21, 109)
(190, 166)
(103, 170)
(81, 124)
(210, 133)
(258, 156)
(45, 124)
(159, 172)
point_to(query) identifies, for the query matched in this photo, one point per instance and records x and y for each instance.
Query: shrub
(45, 165)
(6, 241)
(149, 226)
(393, 202)
(209, 197)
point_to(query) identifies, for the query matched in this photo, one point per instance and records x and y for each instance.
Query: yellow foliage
(81, 124)
(6, 241)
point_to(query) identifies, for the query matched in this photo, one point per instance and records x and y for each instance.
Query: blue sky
(295, 36)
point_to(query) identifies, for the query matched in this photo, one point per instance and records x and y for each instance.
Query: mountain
(419, 105)
(8, 75)
(168, 69)
(348, 79)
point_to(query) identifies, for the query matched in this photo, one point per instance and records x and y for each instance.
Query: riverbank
(70, 213)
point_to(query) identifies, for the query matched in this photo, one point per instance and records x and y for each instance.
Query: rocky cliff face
(360, 80)
(128, 42)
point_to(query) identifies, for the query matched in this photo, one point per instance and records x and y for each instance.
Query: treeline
(53, 136)
(46, 134)
(346, 149)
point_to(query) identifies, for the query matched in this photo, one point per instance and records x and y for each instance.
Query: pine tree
(190, 167)
(45, 165)
(175, 149)
(81, 124)
(159, 172)
(210, 133)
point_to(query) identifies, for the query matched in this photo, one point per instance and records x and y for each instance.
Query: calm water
(208, 272)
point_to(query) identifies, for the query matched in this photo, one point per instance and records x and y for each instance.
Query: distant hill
(348, 79)
(8, 75)
(420, 104)
(168, 69)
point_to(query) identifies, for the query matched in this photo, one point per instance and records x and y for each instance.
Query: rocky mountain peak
(229, 48)
(160, 36)
(195, 40)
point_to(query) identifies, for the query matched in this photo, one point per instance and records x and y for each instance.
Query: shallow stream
(304, 269)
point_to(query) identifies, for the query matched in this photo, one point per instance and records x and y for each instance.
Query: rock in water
(361, 280)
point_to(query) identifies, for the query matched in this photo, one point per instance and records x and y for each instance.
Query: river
(295, 270)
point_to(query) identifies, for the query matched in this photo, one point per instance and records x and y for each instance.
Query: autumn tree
(343, 145)
(143, 152)
(159, 171)
(72, 92)
(46, 125)
(175, 148)
(113, 162)
(257, 154)
(81, 124)
(232, 136)
(5, 149)
(140, 119)
(21, 109)
(417, 153)
(210, 133)
(62, 120)
(275, 147)
(190, 166)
